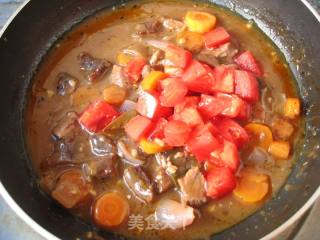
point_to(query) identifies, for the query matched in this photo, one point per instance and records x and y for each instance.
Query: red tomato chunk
(138, 127)
(178, 56)
(224, 80)
(97, 116)
(247, 61)
(246, 86)
(158, 131)
(220, 182)
(134, 69)
(176, 133)
(216, 37)
(173, 92)
(149, 106)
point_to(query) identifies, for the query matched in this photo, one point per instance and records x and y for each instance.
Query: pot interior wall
(288, 23)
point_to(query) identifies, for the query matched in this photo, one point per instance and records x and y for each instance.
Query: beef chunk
(192, 186)
(208, 57)
(70, 189)
(100, 167)
(146, 28)
(159, 177)
(282, 129)
(223, 54)
(67, 84)
(93, 68)
(66, 127)
(117, 77)
(138, 183)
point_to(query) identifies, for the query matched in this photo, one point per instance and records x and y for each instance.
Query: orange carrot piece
(292, 107)
(279, 149)
(261, 134)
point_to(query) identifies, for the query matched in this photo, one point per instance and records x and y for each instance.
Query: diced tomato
(246, 86)
(232, 131)
(224, 80)
(97, 116)
(187, 111)
(188, 102)
(149, 106)
(201, 142)
(176, 133)
(138, 127)
(220, 182)
(134, 69)
(198, 77)
(178, 56)
(158, 131)
(216, 37)
(245, 112)
(221, 104)
(173, 92)
(246, 61)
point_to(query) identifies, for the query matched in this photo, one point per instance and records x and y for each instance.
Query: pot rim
(47, 235)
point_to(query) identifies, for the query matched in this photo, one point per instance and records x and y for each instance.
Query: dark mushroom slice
(100, 167)
(71, 188)
(66, 126)
(161, 180)
(138, 183)
(66, 84)
(129, 155)
(192, 187)
(93, 68)
(150, 27)
(102, 146)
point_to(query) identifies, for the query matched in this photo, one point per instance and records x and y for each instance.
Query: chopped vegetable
(173, 92)
(246, 86)
(123, 59)
(224, 80)
(149, 106)
(198, 77)
(247, 62)
(292, 108)
(138, 127)
(178, 56)
(260, 134)
(245, 112)
(152, 147)
(120, 121)
(202, 143)
(97, 116)
(282, 129)
(232, 131)
(150, 82)
(176, 133)
(252, 187)
(134, 69)
(216, 37)
(127, 155)
(190, 40)
(111, 209)
(158, 131)
(200, 22)
(187, 112)
(220, 182)
(279, 149)
(114, 94)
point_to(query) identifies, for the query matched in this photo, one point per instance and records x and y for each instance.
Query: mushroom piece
(66, 126)
(67, 84)
(127, 155)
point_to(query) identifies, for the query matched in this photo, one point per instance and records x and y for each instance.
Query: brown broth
(104, 36)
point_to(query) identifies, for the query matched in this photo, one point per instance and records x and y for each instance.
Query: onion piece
(126, 155)
(174, 214)
(259, 157)
(162, 45)
(127, 105)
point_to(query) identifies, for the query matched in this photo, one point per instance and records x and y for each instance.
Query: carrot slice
(261, 134)
(114, 94)
(150, 82)
(110, 209)
(280, 149)
(192, 41)
(252, 187)
(200, 22)
(292, 107)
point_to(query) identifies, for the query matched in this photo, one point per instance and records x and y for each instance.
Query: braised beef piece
(100, 167)
(71, 188)
(221, 55)
(159, 177)
(150, 27)
(66, 84)
(117, 77)
(138, 183)
(66, 127)
(282, 129)
(208, 58)
(102, 146)
(93, 68)
(192, 187)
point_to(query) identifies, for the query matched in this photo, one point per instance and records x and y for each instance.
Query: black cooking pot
(289, 23)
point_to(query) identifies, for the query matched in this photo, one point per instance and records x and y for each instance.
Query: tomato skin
(134, 69)
(220, 182)
(186, 111)
(149, 106)
(198, 77)
(202, 142)
(178, 56)
(158, 131)
(216, 37)
(173, 92)
(176, 133)
(245, 112)
(246, 61)
(97, 116)
(224, 80)
(138, 127)
(247, 86)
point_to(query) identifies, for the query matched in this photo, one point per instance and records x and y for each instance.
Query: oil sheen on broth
(104, 36)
